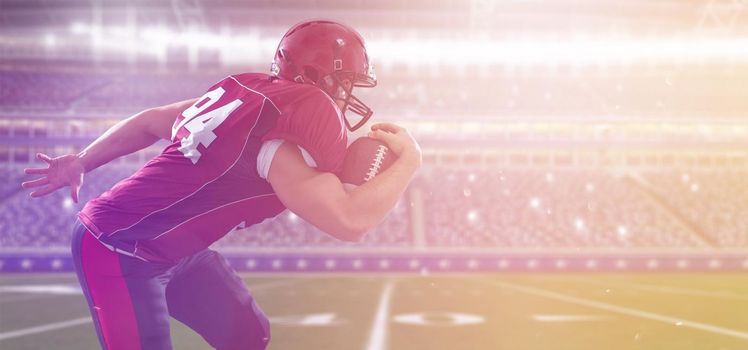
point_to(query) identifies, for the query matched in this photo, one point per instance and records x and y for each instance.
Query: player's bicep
(160, 120)
(317, 197)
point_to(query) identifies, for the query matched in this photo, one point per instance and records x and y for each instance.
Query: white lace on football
(376, 165)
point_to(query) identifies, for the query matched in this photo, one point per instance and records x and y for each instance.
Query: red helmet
(326, 53)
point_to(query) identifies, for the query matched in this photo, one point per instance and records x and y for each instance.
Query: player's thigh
(126, 296)
(208, 296)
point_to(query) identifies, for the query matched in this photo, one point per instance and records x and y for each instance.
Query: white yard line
(274, 284)
(687, 291)
(59, 289)
(378, 335)
(25, 297)
(619, 309)
(45, 328)
(84, 320)
(567, 318)
(662, 289)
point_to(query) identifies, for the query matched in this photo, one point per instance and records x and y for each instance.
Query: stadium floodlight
(516, 52)
(579, 51)
(124, 31)
(156, 34)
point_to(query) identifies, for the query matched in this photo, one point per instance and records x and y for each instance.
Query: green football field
(372, 312)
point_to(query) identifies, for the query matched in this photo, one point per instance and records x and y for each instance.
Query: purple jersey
(205, 183)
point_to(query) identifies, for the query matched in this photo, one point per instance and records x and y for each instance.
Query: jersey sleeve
(267, 153)
(316, 125)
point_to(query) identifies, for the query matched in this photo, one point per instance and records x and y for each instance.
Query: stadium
(583, 184)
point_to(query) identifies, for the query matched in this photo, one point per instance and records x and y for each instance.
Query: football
(365, 158)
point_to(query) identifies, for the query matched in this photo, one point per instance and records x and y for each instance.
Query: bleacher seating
(546, 209)
(714, 202)
(44, 91)
(48, 221)
(468, 209)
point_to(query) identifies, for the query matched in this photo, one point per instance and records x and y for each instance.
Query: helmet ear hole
(311, 73)
(274, 68)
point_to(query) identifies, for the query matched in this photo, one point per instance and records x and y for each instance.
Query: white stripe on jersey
(257, 92)
(209, 211)
(238, 157)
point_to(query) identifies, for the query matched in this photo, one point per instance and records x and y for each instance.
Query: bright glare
(549, 177)
(535, 202)
(525, 51)
(292, 217)
(622, 231)
(575, 51)
(79, 28)
(472, 216)
(579, 224)
(50, 39)
(67, 203)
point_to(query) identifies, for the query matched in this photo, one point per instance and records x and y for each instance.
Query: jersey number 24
(201, 125)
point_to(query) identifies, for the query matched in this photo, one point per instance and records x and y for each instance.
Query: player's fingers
(44, 191)
(74, 189)
(393, 128)
(35, 183)
(383, 136)
(34, 171)
(44, 157)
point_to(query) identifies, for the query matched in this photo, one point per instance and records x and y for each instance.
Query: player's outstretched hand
(398, 139)
(62, 171)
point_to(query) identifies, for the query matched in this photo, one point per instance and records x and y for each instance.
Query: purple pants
(131, 300)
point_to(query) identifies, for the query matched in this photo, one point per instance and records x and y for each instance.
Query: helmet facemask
(338, 90)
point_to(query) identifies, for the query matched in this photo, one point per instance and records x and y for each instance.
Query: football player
(249, 148)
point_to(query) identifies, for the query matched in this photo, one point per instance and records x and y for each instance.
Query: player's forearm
(127, 136)
(369, 203)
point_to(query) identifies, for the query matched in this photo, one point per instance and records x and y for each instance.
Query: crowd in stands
(466, 209)
(716, 205)
(136, 92)
(546, 210)
(48, 221)
(48, 92)
(462, 208)
(57, 92)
